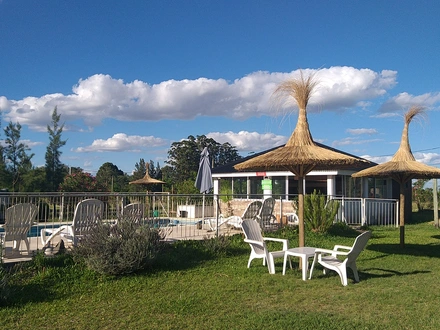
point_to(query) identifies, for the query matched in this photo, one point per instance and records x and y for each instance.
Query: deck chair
(18, 222)
(88, 213)
(250, 213)
(134, 212)
(329, 258)
(253, 236)
(266, 218)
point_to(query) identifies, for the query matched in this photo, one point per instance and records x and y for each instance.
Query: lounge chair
(328, 258)
(257, 242)
(18, 222)
(87, 214)
(250, 213)
(134, 212)
(266, 218)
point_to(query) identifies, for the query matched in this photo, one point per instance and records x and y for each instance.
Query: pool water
(35, 230)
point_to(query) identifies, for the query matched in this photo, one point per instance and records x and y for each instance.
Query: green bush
(121, 249)
(319, 213)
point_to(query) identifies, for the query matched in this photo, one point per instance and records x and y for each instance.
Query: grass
(192, 287)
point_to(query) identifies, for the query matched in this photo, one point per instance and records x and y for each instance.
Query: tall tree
(16, 153)
(111, 178)
(184, 157)
(5, 178)
(55, 170)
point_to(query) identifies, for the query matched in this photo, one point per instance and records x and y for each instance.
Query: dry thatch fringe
(404, 152)
(300, 89)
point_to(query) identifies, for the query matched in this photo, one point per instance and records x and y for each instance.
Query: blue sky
(131, 77)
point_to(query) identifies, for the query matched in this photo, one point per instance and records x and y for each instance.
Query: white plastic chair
(329, 258)
(250, 213)
(87, 214)
(18, 222)
(266, 218)
(257, 242)
(134, 212)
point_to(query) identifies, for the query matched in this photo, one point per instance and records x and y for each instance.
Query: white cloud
(360, 131)
(431, 159)
(122, 143)
(404, 101)
(100, 96)
(249, 141)
(353, 141)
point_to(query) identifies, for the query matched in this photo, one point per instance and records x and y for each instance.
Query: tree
(111, 178)
(80, 182)
(422, 197)
(16, 153)
(55, 170)
(184, 157)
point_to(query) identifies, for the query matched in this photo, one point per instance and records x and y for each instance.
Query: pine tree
(55, 170)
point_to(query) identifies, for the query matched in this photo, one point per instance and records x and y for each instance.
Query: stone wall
(238, 206)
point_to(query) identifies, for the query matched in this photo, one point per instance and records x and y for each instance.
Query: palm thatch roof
(147, 179)
(301, 154)
(403, 166)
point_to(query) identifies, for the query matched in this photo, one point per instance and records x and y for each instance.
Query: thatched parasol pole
(300, 90)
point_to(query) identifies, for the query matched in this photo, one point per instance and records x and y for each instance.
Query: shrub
(319, 213)
(217, 245)
(120, 249)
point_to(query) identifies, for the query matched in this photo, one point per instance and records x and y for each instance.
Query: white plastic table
(304, 253)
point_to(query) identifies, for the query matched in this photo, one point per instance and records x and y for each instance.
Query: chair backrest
(266, 213)
(358, 245)
(252, 231)
(18, 220)
(252, 210)
(134, 212)
(88, 213)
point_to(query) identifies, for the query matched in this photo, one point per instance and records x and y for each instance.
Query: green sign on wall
(266, 184)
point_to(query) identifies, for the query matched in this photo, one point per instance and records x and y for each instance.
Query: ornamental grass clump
(120, 249)
(319, 213)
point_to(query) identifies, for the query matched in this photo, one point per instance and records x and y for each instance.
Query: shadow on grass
(369, 273)
(428, 250)
(421, 217)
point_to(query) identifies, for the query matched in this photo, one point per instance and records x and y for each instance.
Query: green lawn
(192, 288)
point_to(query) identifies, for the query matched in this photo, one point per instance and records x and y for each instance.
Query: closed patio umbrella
(300, 155)
(402, 168)
(204, 177)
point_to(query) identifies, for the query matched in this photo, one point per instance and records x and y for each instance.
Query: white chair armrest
(280, 240)
(344, 247)
(328, 251)
(251, 241)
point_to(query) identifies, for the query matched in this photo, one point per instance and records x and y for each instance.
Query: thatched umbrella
(147, 179)
(403, 167)
(300, 155)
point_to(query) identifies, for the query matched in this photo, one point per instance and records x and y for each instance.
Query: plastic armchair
(88, 213)
(18, 222)
(329, 258)
(257, 242)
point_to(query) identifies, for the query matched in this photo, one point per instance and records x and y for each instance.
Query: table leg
(304, 261)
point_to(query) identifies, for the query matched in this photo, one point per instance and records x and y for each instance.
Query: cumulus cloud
(360, 131)
(249, 141)
(404, 101)
(121, 142)
(100, 96)
(432, 159)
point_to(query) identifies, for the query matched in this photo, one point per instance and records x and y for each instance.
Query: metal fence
(183, 216)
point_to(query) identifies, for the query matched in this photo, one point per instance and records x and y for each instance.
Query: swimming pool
(35, 230)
